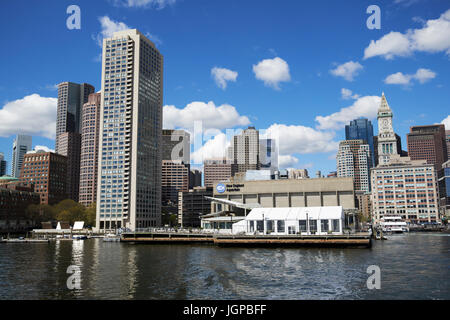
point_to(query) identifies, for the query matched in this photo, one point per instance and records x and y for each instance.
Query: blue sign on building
(220, 188)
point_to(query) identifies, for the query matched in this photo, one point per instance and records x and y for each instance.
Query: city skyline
(311, 124)
(225, 156)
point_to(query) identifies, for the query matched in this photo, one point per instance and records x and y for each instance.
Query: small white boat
(111, 237)
(393, 224)
(79, 237)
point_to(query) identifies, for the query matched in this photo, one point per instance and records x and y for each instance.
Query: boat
(111, 237)
(79, 237)
(393, 224)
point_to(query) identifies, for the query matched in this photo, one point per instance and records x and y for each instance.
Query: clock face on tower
(385, 124)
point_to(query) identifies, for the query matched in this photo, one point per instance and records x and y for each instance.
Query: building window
(302, 225)
(313, 226)
(324, 225)
(335, 225)
(270, 226)
(260, 226)
(280, 226)
(291, 230)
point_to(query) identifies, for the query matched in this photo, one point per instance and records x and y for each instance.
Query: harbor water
(412, 266)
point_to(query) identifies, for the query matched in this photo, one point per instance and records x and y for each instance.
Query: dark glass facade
(361, 129)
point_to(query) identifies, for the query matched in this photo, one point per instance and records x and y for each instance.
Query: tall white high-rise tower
(244, 151)
(129, 173)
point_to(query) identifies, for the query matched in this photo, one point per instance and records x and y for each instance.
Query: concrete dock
(294, 241)
(351, 240)
(24, 241)
(168, 237)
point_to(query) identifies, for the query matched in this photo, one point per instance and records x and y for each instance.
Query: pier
(228, 240)
(23, 241)
(167, 237)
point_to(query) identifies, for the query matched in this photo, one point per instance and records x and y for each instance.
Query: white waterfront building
(292, 221)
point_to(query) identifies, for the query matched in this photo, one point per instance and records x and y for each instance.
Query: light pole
(231, 216)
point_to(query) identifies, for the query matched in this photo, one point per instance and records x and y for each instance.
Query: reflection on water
(413, 266)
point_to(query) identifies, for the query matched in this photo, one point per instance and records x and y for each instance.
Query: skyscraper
(444, 189)
(175, 167)
(447, 139)
(361, 129)
(175, 178)
(90, 127)
(354, 160)
(70, 146)
(129, 177)
(428, 143)
(268, 154)
(176, 145)
(387, 143)
(244, 151)
(2, 164)
(71, 97)
(21, 145)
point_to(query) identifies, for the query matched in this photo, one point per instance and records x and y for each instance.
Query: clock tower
(387, 143)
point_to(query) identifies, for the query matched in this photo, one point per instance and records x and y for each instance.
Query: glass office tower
(21, 145)
(361, 129)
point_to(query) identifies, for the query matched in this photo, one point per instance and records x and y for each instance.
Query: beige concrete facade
(289, 193)
(90, 127)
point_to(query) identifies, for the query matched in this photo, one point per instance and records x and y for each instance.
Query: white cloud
(390, 45)
(446, 122)
(33, 115)
(51, 87)
(222, 75)
(405, 3)
(398, 78)
(287, 161)
(212, 116)
(347, 70)
(109, 26)
(158, 4)
(272, 72)
(422, 75)
(43, 148)
(214, 148)
(348, 94)
(302, 140)
(366, 106)
(432, 37)
(291, 139)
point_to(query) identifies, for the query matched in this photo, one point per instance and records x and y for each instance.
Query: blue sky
(278, 57)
